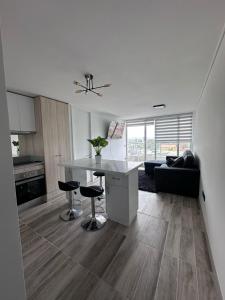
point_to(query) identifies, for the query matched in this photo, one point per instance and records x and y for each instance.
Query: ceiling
(152, 51)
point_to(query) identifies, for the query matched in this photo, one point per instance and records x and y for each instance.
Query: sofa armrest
(177, 180)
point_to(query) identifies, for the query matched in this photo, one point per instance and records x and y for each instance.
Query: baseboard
(210, 253)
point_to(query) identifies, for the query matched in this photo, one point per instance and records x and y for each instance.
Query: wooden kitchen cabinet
(51, 141)
(63, 130)
(56, 139)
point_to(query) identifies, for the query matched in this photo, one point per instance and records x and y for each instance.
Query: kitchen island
(121, 185)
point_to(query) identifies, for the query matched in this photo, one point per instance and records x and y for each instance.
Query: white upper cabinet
(21, 113)
(27, 118)
(14, 115)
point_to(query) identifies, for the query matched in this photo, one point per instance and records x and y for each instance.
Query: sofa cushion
(189, 160)
(178, 162)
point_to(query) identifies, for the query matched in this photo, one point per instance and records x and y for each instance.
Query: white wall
(87, 125)
(209, 144)
(11, 271)
(81, 132)
(116, 150)
(100, 123)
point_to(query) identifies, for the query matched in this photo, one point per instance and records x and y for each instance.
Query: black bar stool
(95, 221)
(99, 174)
(102, 197)
(71, 213)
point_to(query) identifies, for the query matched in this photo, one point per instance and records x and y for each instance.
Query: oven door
(29, 189)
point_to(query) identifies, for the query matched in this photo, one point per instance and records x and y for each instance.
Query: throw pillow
(189, 159)
(169, 161)
(178, 162)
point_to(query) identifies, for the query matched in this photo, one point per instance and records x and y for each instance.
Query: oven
(30, 185)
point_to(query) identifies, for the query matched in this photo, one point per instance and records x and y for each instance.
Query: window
(158, 137)
(136, 143)
(15, 145)
(184, 146)
(164, 149)
(150, 141)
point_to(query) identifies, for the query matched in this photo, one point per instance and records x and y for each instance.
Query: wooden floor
(162, 255)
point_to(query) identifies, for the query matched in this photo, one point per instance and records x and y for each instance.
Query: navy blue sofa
(151, 164)
(178, 180)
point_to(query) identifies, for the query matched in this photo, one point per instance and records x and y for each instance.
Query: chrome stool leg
(100, 202)
(101, 185)
(71, 213)
(95, 221)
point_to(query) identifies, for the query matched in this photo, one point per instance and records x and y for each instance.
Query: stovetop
(27, 163)
(25, 160)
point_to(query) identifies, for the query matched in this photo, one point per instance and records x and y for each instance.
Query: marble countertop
(107, 166)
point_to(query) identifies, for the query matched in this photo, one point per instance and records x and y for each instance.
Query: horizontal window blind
(174, 129)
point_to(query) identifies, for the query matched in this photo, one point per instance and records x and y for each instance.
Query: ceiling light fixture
(90, 86)
(159, 106)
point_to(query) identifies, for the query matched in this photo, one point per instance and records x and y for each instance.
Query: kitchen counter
(121, 185)
(106, 166)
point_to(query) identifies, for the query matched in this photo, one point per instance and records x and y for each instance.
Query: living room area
(112, 144)
(164, 144)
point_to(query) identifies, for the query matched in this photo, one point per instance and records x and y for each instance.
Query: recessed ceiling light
(159, 106)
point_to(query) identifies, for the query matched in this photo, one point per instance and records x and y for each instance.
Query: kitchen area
(40, 140)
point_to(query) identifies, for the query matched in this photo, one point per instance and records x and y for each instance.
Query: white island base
(122, 197)
(121, 185)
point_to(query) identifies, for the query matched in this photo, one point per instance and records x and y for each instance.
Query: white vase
(98, 159)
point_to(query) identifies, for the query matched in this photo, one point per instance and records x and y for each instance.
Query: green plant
(98, 143)
(16, 144)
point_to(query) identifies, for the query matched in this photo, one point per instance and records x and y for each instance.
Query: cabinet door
(64, 145)
(50, 138)
(21, 113)
(117, 203)
(27, 118)
(13, 110)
